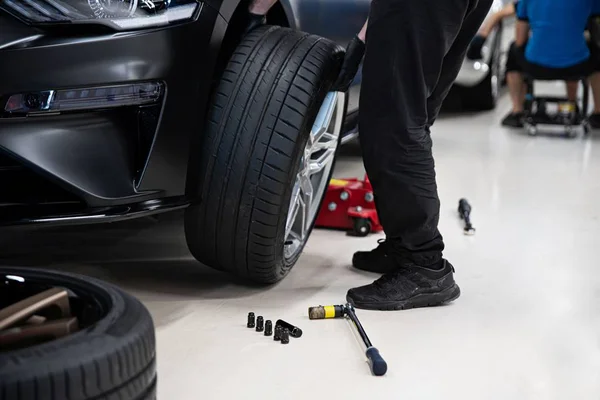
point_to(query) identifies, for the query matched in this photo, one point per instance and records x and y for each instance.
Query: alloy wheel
(313, 174)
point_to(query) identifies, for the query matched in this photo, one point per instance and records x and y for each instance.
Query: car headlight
(122, 14)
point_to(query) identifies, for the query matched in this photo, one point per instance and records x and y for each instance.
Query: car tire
(258, 130)
(109, 357)
(484, 96)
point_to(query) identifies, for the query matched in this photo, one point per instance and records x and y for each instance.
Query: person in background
(550, 44)
(474, 52)
(413, 53)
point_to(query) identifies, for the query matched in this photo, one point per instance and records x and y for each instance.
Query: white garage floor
(527, 325)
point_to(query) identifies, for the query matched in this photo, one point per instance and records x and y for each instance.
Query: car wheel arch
(226, 38)
(282, 12)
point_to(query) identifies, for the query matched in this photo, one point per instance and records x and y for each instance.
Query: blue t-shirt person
(557, 30)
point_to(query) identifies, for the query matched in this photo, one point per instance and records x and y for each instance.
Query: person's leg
(594, 81)
(517, 90)
(414, 51)
(572, 87)
(516, 86)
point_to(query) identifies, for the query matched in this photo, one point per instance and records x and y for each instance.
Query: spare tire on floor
(268, 154)
(64, 336)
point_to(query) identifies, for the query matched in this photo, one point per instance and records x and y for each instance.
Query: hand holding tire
(355, 52)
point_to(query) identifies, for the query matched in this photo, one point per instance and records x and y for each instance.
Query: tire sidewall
(116, 329)
(330, 73)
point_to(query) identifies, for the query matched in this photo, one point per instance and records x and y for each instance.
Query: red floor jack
(349, 204)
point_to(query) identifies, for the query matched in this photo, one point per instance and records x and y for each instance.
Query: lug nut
(285, 336)
(268, 328)
(250, 320)
(260, 325)
(277, 334)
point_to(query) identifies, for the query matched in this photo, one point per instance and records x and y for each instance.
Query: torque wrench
(376, 361)
(464, 211)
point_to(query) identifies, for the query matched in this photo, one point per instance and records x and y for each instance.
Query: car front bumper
(98, 162)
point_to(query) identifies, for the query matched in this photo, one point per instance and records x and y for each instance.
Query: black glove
(355, 52)
(254, 21)
(474, 51)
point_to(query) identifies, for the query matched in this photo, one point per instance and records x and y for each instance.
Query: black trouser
(415, 49)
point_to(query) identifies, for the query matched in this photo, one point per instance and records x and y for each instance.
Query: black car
(111, 110)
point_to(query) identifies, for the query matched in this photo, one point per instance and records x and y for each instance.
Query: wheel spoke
(294, 238)
(328, 141)
(316, 136)
(324, 117)
(305, 202)
(293, 212)
(323, 161)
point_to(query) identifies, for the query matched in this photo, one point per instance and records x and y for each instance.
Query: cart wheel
(586, 128)
(570, 132)
(362, 227)
(532, 130)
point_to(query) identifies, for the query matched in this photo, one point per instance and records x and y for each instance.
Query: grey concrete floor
(526, 326)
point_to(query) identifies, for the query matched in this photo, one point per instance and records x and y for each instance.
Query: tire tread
(251, 144)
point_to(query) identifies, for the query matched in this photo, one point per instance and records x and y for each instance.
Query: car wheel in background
(484, 96)
(64, 336)
(268, 154)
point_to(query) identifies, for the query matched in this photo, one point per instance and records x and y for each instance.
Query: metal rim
(313, 175)
(495, 78)
(33, 312)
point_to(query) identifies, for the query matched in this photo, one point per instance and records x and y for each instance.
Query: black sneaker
(409, 287)
(513, 120)
(376, 260)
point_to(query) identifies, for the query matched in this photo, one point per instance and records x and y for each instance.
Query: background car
(478, 83)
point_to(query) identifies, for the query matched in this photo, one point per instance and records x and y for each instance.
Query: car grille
(20, 188)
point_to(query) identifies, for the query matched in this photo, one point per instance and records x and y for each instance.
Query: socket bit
(295, 332)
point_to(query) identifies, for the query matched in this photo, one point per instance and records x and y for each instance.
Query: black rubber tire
(481, 97)
(259, 122)
(361, 227)
(111, 359)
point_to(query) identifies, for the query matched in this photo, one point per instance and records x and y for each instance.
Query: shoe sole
(420, 300)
